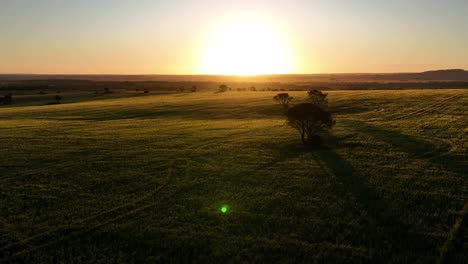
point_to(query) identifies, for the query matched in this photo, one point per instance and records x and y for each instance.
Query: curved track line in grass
(213, 141)
(452, 147)
(453, 241)
(106, 217)
(428, 108)
(79, 227)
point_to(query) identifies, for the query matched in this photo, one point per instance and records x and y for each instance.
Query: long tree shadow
(389, 238)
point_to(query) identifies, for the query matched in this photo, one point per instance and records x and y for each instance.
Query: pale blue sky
(117, 36)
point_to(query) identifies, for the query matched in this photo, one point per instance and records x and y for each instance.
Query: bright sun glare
(246, 47)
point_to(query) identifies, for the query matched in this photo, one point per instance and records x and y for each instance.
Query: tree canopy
(309, 119)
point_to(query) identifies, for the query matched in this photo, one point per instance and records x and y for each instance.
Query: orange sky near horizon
(231, 37)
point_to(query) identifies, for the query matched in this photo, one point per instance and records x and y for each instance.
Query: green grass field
(143, 178)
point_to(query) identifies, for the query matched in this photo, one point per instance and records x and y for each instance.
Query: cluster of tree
(223, 88)
(315, 97)
(310, 118)
(7, 99)
(144, 91)
(57, 99)
(182, 89)
(106, 90)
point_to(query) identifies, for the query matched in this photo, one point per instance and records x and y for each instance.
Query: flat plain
(132, 177)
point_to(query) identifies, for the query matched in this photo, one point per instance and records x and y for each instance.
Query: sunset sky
(231, 37)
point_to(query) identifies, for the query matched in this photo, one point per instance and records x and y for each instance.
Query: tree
(283, 99)
(57, 98)
(318, 98)
(309, 119)
(223, 88)
(194, 89)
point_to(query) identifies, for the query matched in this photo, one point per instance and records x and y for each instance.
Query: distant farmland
(132, 177)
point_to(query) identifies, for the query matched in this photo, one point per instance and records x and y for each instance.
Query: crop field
(132, 178)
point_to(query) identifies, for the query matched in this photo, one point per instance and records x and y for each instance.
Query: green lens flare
(224, 209)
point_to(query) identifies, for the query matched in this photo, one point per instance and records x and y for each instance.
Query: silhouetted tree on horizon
(57, 98)
(283, 99)
(223, 88)
(318, 98)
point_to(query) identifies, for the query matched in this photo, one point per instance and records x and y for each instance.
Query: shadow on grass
(389, 238)
(414, 146)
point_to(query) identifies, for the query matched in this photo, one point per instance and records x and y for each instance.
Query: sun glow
(246, 47)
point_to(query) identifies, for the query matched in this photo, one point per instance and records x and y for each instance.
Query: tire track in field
(453, 241)
(426, 109)
(65, 232)
(451, 146)
(88, 224)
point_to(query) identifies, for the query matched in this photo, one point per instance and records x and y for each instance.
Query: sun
(246, 47)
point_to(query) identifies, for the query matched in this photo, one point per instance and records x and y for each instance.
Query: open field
(142, 178)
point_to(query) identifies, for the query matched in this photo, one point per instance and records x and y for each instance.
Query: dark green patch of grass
(143, 179)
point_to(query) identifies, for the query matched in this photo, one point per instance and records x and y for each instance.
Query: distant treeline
(451, 75)
(86, 85)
